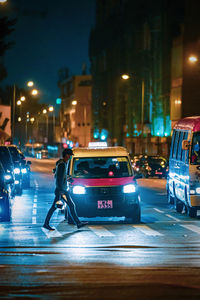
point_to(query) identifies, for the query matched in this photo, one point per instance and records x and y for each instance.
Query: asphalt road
(108, 259)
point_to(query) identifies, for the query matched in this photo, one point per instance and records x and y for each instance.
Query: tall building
(75, 113)
(133, 38)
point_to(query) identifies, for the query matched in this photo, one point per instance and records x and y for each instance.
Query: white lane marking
(51, 234)
(147, 230)
(173, 218)
(158, 210)
(34, 211)
(101, 231)
(35, 205)
(34, 220)
(191, 227)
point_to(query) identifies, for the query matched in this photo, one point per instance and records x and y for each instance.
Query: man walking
(61, 191)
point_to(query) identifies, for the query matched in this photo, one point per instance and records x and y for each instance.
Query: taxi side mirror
(185, 144)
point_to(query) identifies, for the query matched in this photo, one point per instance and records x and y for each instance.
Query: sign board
(5, 122)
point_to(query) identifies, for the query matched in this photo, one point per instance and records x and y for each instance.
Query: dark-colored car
(154, 166)
(6, 160)
(5, 207)
(17, 168)
(26, 170)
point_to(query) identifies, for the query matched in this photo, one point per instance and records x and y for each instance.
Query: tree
(6, 27)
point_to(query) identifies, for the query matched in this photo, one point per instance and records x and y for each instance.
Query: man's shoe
(81, 224)
(46, 226)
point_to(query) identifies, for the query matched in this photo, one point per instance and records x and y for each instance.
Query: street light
(47, 123)
(51, 109)
(192, 59)
(22, 98)
(74, 102)
(30, 83)
(125, 76)
(34, 92)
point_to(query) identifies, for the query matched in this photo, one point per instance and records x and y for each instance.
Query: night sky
(49, 35)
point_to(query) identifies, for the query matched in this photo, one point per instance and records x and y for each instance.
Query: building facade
(134, 38)
(75, 113)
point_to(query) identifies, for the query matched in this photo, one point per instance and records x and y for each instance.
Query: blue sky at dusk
(49, 35)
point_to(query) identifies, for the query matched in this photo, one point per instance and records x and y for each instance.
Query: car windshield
(103, 167)
(156, 160)
(14, 153)
(195, 150)
(5, 158)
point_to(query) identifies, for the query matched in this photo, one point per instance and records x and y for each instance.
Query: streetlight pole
(13, 112)
(142, 117)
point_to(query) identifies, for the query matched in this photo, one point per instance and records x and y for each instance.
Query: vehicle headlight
(129, 188)
(198, 190)
(16, 182)
(7, 177)
(79, 189)
(24, 171)
(17, 170)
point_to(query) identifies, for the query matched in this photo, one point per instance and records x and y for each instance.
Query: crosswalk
(122, 231)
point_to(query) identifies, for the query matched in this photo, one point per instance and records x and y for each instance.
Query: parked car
(5, 194)
(6, 160)
(17, 168)
(26, 171)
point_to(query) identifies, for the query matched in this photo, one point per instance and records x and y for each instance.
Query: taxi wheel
(136, 219)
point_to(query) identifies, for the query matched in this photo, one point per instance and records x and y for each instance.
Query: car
(102, 183)
(5, 205)
(158, 166)
(17, 168)
(6, 161)
(25, 170)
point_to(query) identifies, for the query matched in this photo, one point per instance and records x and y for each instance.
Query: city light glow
(22, 98)
(44, 111)
(193, 59)
(19, 102)
(74, 102)
(125, 76)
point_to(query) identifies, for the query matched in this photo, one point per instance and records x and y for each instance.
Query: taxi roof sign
(97, 144)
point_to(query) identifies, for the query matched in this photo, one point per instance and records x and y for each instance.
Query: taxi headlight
(129, 188)
(79, 189)
(24, 171)
(17, 170)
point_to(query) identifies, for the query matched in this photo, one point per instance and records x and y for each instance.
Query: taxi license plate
(104, 204)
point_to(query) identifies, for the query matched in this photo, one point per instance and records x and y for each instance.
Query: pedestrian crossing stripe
(101, 231)
(147, 230)
(191, 227)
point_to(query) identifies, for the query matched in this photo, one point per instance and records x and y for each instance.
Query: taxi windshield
(195, 150)
(101, 167)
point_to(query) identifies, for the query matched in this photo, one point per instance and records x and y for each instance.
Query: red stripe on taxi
(102, 181)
